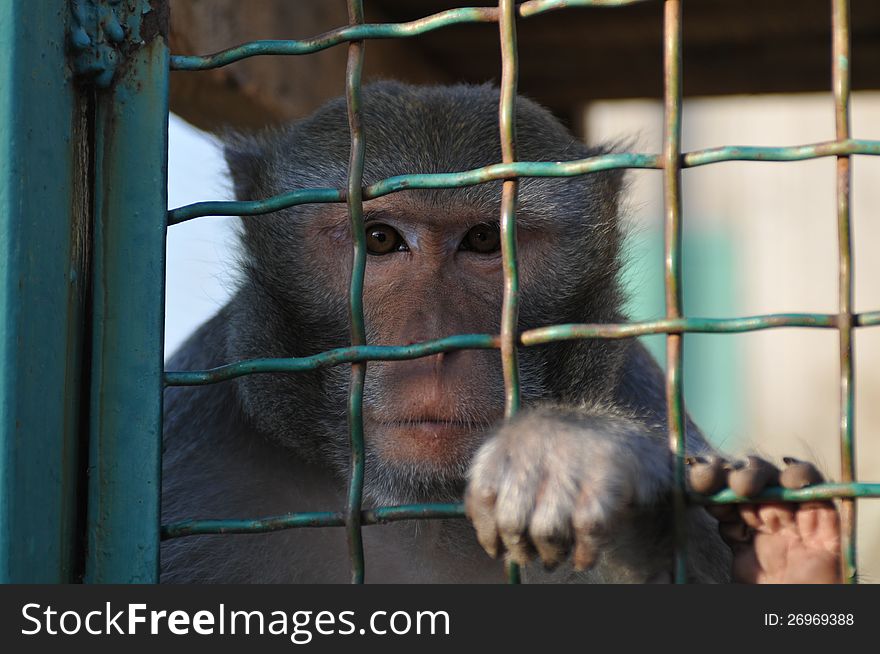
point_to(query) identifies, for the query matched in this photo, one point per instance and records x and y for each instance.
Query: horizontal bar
(539, 336)
(809, 494)
(255, 207)
(349, 33)
(375, 516)
(555, 333)
(386, 514)
(351, 354)
(495, 172)
(255, 526)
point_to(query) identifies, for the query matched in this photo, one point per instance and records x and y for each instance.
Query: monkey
(576, 487)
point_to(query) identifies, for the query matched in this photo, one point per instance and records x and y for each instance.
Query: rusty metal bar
(614, 161)
(672, 233)
(510, 303)
(360, 32)
(356, 295)
(530, 337)
(841, 88)
(507, 126)
(387, 514)
(128, 284)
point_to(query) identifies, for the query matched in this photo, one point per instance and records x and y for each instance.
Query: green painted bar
(675, 411)
(129, 251)
(355, 201)
(253, 525)
(840, 26)
(43, 273)
(335, 357)
(254, 207)
(507, 128)
(450, 17)
(431, 511)
(810, 494)
(377, 516)
(526, 169)
(868, 319)
(527, 338)
(329, 39)
(535, 7)
(510, 187)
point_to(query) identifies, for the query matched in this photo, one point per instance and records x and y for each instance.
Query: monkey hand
(776, 542)
(553, 480)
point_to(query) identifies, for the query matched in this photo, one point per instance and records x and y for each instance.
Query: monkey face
(434, 269)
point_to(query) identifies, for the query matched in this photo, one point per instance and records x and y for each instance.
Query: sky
(199, 252)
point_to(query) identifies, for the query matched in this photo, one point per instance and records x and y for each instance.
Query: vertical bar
(356, 295)
(510, 303)
(672, 235)
(43, 282)
(131, 137)
(841, 84)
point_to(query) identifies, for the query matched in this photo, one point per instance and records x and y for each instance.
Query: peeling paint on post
(131, 128)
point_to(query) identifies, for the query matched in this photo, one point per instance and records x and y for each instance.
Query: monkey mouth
(430, 422)
(427, 441)
(431, 426)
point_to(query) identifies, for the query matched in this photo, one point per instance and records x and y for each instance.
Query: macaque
(576, 487)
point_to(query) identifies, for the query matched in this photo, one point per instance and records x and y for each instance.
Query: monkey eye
(382, 239)
(484, 238)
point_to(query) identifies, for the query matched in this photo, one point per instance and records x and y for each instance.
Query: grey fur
(269, 444)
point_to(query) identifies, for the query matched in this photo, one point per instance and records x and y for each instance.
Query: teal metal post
(43, 277)
(131, 140)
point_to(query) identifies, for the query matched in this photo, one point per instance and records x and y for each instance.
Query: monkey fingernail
(799, 474)
(752, 477)
(519, 549)
(707, 476)
(584, 556)
(552, 551)
(492, 547)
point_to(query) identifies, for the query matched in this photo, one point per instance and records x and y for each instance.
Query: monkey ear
(616, 179)
(246, 159)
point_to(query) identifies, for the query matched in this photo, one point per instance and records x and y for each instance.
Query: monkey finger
(519, 548)
(552, 549)
(479, 507)
(799, 474)
(513, 512)
(706, 475)
(550, 524)
(586, 550)
(750, 516)
(736, 532)
(752, 477)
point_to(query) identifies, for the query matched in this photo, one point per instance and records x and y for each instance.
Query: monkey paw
(550, 483)
(779, 542)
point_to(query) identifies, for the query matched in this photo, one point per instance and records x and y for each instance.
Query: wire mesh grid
(671, 161)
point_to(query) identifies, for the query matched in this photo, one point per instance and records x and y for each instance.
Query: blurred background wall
(762, 238)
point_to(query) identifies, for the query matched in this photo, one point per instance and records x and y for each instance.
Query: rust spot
(156, 22)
